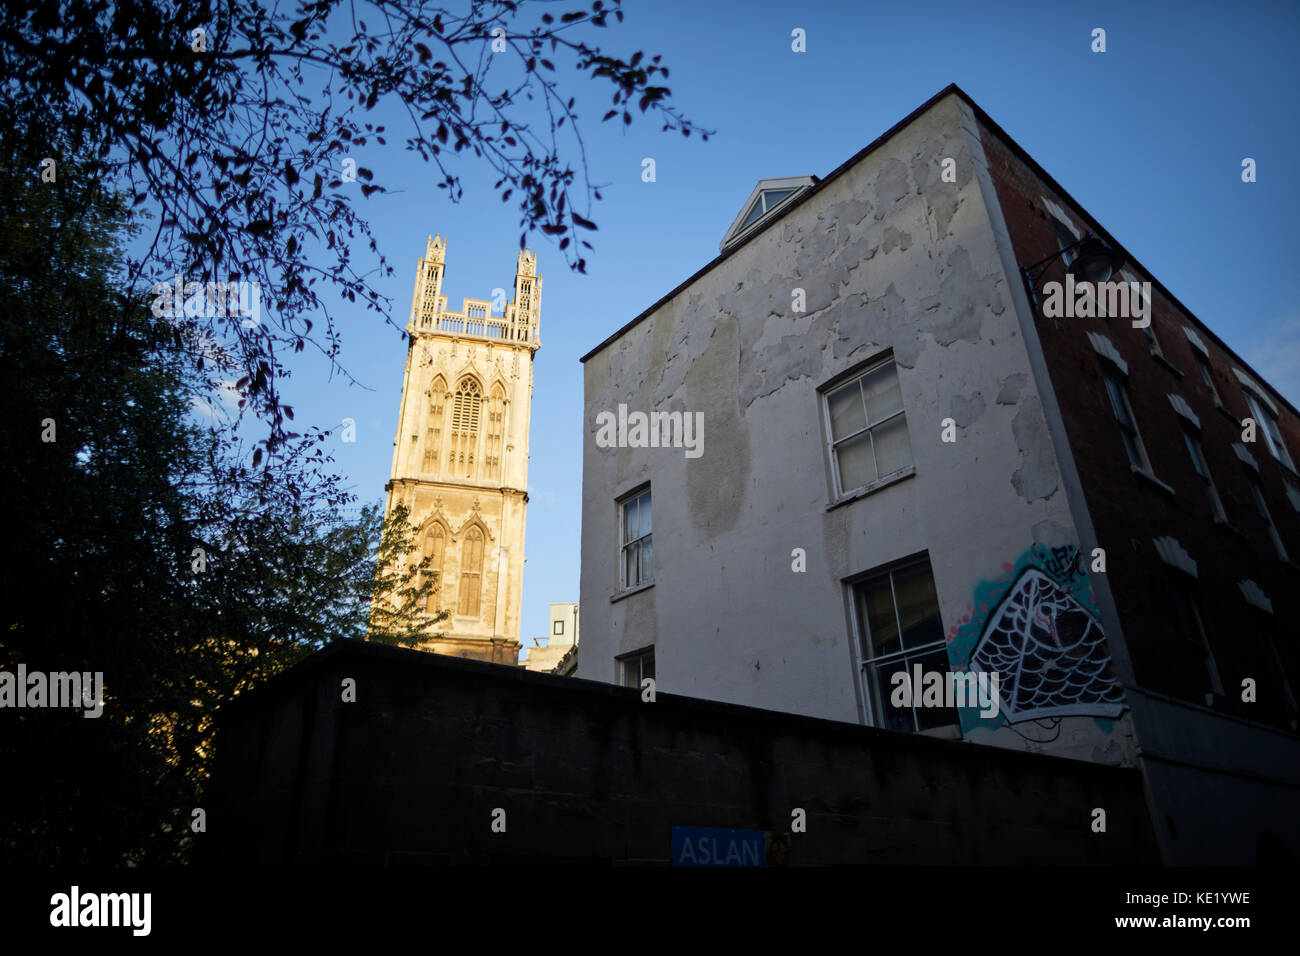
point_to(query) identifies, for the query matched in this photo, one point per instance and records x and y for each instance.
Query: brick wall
(1129, 511)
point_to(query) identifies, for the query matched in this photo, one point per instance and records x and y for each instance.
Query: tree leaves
(238, 154)
(102, 571)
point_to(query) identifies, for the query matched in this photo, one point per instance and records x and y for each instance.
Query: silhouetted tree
(141, 543)
(233, 121)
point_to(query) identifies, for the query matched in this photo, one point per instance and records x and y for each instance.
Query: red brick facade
(1128, 511)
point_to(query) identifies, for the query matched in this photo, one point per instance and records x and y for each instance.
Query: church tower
(460, 459)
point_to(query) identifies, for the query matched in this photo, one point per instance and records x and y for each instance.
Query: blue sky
(1149, 137)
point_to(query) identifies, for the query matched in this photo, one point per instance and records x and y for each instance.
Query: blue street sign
(713, 846)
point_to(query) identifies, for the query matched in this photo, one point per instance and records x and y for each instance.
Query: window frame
(1202, 468)
(469, 588)
(866, 663)
(434, 574)
(1148, 330)
(557, 628)
(1066, 236)
(1183, 586)
(621, 504)
(637, 658)
(857, 374)
(1153, 341)
(761, 205)
(1207, 375)
(1267, 423)
(1113, 376)
(1261, 506)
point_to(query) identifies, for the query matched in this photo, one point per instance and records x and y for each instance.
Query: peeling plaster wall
(889, 257)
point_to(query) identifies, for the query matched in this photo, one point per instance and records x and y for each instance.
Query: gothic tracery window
(466, 407)
(495, 432)
(433, 437)
(435, 546)
(471, 573)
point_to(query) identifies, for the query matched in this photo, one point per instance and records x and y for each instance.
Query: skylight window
(765, 203)
(767, 195)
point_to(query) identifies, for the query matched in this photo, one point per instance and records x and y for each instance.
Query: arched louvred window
(496, 419)
(435, 548)
(466, 408)
(433, 434)
(471, 573)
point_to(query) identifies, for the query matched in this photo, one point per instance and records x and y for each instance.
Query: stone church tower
(460, 459)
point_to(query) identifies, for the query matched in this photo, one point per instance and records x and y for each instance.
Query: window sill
(873, 487)
(1166, 363)
(1149, 476)
(630, 591)
(1227, 414)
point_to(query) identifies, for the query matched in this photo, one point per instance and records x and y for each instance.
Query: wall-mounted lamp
(1093, 262)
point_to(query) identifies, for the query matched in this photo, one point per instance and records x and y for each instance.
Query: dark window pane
(630, 529)
(878, 612)
(774, 196)
(1134, 452)
(1194, 449)
(755, 211)
(918, 606)
(1117, 403)
(887, 715)
(930, 717)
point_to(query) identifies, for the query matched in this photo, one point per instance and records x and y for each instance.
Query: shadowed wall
(411, 772)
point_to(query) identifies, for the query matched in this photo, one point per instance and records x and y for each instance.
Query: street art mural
(1037, 626)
